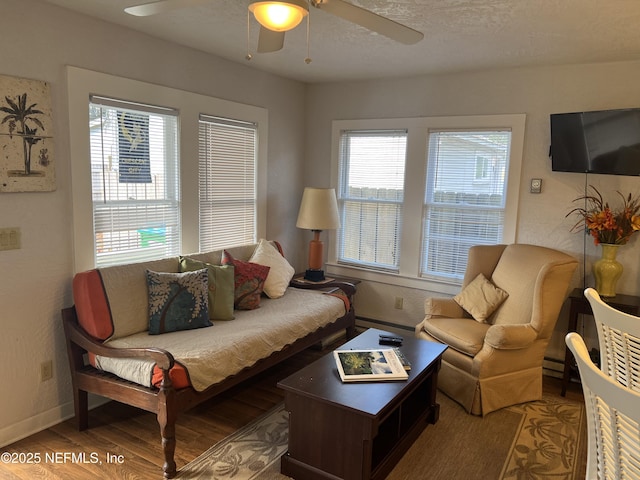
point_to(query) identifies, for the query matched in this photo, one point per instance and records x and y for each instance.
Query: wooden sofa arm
(76, 334)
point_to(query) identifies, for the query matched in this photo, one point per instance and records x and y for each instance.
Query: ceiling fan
(271, 37)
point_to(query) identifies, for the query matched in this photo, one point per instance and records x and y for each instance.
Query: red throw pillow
(249, 282)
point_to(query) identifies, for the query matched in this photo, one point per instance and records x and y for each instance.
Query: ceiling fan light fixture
(279, 16)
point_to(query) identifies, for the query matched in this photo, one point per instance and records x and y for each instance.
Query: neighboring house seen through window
(465, 197)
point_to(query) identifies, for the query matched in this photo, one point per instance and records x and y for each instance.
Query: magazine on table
(370, 365)
(403, 359)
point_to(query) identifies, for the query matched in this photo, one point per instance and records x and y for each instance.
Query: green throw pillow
(177, 301)
(221, 286)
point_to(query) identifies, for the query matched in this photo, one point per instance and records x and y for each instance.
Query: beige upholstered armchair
(512, 295)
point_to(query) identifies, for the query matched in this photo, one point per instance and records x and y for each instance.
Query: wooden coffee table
(358, 431)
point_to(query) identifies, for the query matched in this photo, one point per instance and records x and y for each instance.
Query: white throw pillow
(281, 271)
(481, 298)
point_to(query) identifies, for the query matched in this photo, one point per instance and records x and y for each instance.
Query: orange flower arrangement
(605, 224)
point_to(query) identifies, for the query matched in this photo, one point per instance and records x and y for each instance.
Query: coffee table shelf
(358, 431)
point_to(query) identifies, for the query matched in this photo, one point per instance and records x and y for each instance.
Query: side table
(298, 280)
(579, 304)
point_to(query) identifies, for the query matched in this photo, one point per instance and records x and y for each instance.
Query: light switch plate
(536, 185)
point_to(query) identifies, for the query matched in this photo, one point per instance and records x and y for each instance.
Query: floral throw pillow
(177, 301)
(249, 282)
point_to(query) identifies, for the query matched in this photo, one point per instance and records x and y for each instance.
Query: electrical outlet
(46, 371)
(398, 303)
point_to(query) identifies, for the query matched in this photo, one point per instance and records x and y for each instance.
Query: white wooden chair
(613, 420)
(619, 340)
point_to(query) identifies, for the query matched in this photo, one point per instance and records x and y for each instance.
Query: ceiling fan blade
(270, 41)
(162, 6)
(371, 21)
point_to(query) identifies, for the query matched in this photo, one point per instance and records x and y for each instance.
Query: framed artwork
(26, 136)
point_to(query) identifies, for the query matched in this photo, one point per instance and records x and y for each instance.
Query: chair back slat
(613, 419)
(619, 340)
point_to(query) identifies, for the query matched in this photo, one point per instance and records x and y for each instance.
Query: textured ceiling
(459, 35)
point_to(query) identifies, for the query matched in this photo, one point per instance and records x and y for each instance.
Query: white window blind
(465, 197)
(134, 180)
(227, 185)
(371, 194)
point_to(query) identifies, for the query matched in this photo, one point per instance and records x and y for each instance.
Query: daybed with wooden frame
(162, 396)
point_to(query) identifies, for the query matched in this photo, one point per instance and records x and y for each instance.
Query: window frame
(245, 198)
(415, 186)
(436, 222)
(344, 197)
(82, 83)
(109, 204)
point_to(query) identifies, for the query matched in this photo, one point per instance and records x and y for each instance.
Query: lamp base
(314, 275)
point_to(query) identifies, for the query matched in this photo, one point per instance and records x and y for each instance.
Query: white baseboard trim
(43, 420)
(363, 322)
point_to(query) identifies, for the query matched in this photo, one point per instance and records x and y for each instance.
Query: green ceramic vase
(607, 271)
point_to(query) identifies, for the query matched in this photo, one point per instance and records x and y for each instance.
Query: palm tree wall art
(26, 140)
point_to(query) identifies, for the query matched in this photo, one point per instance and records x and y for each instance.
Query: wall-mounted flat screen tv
(606, 142)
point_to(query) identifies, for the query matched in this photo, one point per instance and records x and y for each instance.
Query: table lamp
(318, 211)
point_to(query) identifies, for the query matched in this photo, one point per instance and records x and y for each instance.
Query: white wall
(37, 41)
(536, 92)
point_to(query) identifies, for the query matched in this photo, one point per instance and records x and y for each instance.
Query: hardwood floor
(123, 442)
(130, 437)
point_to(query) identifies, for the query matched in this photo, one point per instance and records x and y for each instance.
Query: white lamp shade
(318, 210)
(279, 15)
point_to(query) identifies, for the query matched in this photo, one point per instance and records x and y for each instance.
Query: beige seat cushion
(462, 334)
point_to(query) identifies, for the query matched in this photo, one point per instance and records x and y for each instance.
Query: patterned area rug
(551, 442)
(536, 440)
(246, 453)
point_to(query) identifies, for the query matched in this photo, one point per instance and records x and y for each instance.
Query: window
(149, 206)
(459, 210)
(134, 181)
(371, 195)
(416, 193)
(227, 180)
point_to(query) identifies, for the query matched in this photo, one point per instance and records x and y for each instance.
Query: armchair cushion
(462, 334)
(517, 272)
(481, 298)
